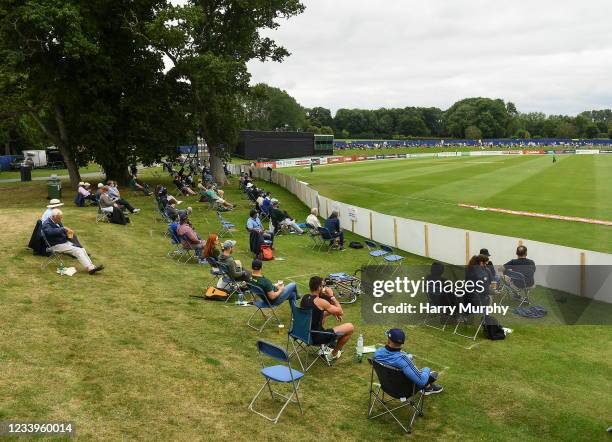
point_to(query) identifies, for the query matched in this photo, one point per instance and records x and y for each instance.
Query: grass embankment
(128, 354)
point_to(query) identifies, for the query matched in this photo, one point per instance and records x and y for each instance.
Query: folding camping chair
(438, 321)
(391, 257)
(277, 373)
(376, 253)
(102, 216)
(465, 320)
(394, 383)
(227, 228)
(262, 304)
(300, 336)
(514, 284)
(53, 257)
(231, 286)
(314, 235)
(177, 248)
(215, 272)
(327, 239)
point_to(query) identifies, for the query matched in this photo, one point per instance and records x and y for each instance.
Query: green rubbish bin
(54, 188)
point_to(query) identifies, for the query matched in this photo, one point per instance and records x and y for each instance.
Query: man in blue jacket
(59, 237)
(393, 356)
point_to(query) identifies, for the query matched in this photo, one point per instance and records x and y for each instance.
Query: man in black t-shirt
(522, 265)
(275, 294)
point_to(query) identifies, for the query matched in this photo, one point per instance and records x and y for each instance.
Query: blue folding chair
(375, 252)
(314, 235)
(515, 284)
(391, 257)
(262, 304)
(226, 227)
(300, 336)
(280, 373)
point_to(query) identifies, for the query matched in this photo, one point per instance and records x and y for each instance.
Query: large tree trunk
(216, 167)
(116, 169)
(64, 148)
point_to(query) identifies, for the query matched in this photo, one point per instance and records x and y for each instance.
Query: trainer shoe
(434, 389)
(324, 351)
(136, 211)
(96, 269)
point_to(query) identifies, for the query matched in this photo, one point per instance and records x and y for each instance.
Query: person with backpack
(276, 294)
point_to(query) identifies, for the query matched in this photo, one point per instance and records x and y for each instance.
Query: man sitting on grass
(275, 294)
(393, 356)
(234, 267)
(324, 304)
(59, 238)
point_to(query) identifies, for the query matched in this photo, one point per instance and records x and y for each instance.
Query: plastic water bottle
(359, 349)
(61, 268)
(240, 299)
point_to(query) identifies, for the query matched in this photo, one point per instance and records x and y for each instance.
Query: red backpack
(266, 253)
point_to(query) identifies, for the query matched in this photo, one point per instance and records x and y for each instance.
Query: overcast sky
(553, 56)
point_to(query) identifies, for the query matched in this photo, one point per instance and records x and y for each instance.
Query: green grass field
(129, 354)
(430, 189)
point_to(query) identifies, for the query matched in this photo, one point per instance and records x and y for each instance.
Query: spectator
(133, 169)
(493, 277)
(188, 236)
(393, 356)
(313, 219)
(282, 219)
(175, 214)
(477, 273)
(83, 190)
(99, 191)
(333, 225)
(257, 234)
(324, 304)
(53, 204)
(275, 294)
(59, 238)
(234, 267)
(139, 185)
(210, 249)
(182, 186)
(113, 193)
(212, 195)
(523, 265)
(435, 284)
(111, 207)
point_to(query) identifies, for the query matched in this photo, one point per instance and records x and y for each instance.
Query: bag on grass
(355, 245)
(493, 330)
(215, 294)
(266, 253)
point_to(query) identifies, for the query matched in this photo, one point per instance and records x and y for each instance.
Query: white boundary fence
(562, 268)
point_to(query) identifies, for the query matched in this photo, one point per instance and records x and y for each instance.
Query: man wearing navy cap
(393, 356)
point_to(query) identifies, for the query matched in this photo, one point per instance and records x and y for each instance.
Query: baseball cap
(228, 244)
(484, 252)
(396, 335)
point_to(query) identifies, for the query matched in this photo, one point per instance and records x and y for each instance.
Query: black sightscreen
(274, 145)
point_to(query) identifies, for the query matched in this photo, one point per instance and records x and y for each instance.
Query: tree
(473, 133)
(209, 43)
(591, 131)
(270, 108)
(320, 116)
(489, 116)
(566, 130)
(91, 84)
(522, 134)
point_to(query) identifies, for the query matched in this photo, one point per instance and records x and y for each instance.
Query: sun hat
(54, 203)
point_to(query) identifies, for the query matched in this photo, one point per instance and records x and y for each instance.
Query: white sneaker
(324, 351)
(136, 211)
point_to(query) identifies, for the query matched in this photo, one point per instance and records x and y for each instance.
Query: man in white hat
(85, 193)
(53, 204)
(60, 241)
